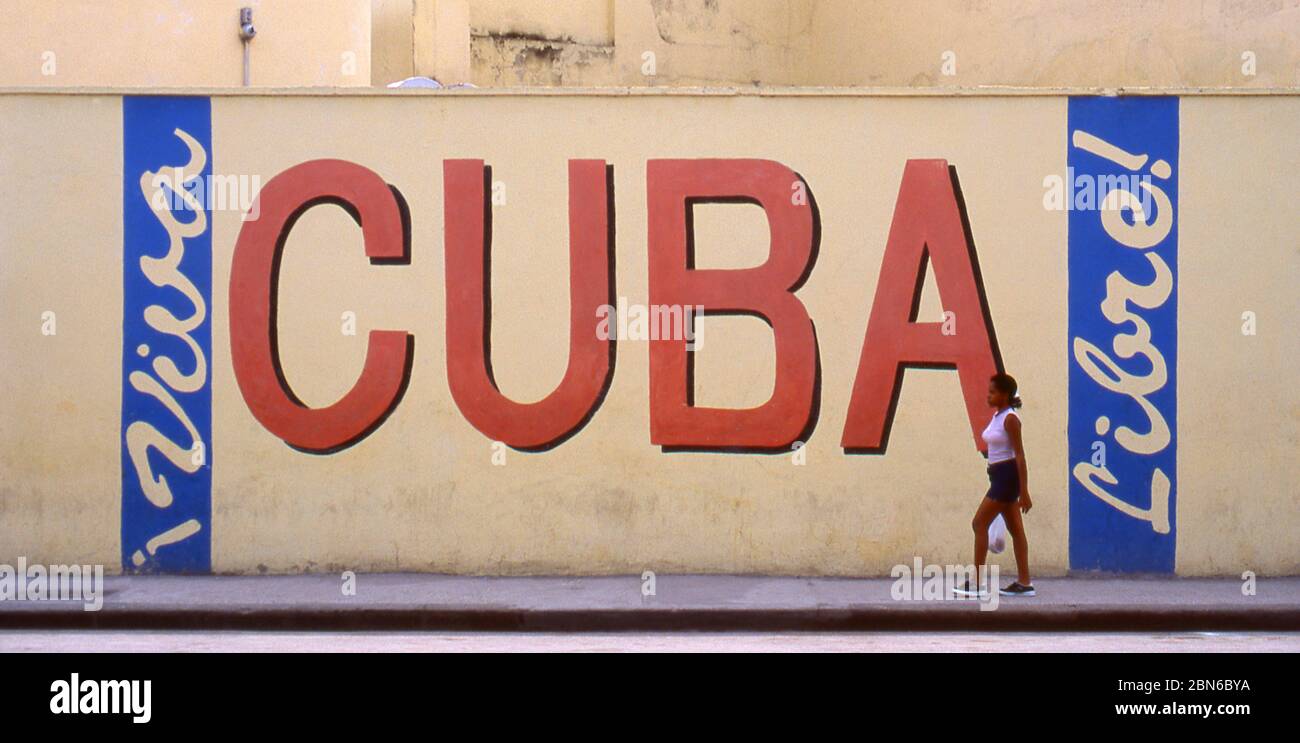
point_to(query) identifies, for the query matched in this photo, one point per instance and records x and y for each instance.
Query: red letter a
(928, 220)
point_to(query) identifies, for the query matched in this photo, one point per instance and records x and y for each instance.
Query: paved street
(914, 642)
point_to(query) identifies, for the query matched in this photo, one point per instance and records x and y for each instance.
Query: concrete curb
(676, 603)
(928, 617)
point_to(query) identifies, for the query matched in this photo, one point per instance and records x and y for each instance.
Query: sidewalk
(681, 602)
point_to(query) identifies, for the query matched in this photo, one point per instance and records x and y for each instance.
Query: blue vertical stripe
(166, 432)
(1122, 386)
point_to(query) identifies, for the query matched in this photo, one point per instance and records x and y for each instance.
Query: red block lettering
(254, 274)
(550, 421)
(928, 221)
(766, 291)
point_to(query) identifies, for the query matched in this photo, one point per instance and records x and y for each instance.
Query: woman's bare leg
(1016, 526)
(988, 510)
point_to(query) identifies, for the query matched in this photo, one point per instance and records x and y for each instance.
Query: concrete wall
(392, 41)
(1057, 43)
(918, 43)
(153, 43)
(427, 491)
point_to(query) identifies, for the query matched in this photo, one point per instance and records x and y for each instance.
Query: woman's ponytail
(1007, 384)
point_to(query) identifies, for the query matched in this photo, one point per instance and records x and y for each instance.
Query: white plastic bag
(997, 535)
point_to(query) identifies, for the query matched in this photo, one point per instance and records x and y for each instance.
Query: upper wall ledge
(614, 92)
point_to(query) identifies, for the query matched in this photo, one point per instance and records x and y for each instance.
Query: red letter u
(467, 222)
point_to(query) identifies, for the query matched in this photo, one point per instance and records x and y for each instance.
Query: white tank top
(995, 435)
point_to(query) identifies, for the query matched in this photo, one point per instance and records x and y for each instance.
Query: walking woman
(1008, 486)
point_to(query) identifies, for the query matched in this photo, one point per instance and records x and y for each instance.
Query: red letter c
(254, 277)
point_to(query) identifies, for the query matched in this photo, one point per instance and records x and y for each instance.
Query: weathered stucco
(422, 492)
(884, 43)
(921, 43)
(158, 43)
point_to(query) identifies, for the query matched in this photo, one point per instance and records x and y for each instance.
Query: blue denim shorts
(1004, 481)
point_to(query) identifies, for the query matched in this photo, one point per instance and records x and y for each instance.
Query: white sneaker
(965, 591)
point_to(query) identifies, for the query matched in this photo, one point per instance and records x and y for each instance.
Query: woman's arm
(1012, 424)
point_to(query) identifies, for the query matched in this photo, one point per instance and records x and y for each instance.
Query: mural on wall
(166, 335)
(381, 213)
(1122, 319)
(1123, 330)
(930, 229)
(467, 211)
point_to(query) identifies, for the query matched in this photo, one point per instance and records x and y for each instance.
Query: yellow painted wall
(1057, 43)
(887, 43)
(1240, 252)
(421, 493)
(1039, 43)
(153, 43)
(392, 45)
